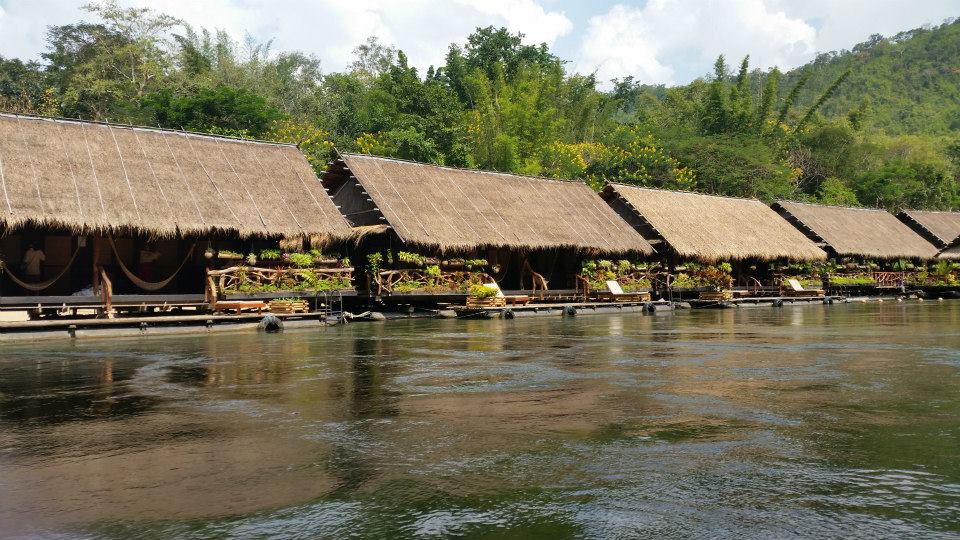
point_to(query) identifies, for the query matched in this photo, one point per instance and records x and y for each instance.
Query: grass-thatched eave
(107, 178)
(937, 227)
(857, 232)
(451, 209)
(710, 228)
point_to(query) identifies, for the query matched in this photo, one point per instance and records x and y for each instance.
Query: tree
(104, 69)
(372, 59)
(224, 109)
(714, 115)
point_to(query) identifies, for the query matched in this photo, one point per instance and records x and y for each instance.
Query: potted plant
(229, 255)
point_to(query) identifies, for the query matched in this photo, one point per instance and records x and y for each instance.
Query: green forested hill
(911, 81)
(874, 126)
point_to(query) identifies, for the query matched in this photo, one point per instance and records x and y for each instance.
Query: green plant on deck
(251, 259)
(470, 264)
(411, 258)
(229, 254)
(345, 262)
(717, 277)
(482, 292)
(943, 267)
(374, 260)
(301, 260)
(408, 286)
(433, 275)
(637, 285)
(851, 281)
(943, 274)
(685, 281)
(598, 272)
(270, 254)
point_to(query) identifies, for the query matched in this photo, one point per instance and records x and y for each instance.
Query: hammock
(147, 285)
(37, 287)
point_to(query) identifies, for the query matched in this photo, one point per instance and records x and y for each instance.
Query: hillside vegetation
(875, 126)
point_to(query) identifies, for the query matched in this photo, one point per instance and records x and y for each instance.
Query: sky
(656, 41)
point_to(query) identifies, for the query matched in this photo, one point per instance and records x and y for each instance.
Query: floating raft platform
(767, 301)
(561, 309)
(153, 325)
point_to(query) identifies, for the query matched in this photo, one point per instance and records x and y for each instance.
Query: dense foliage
(876, 126)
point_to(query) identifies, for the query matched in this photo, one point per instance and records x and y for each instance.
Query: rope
(33, 167)
(37, 287)
(210, 179)
(152, 172)
(241, 182)
(183, 177)
(73, 176)
(93, 168)
(280, 197)
(3, 182)
(125, 175)
(147, 285)
(302, 183)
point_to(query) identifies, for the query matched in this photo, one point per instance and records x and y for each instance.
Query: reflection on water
(809, 421)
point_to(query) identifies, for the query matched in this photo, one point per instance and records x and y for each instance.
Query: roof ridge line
(7, 114)
(778, 201)
(452, 168)
(685, 192)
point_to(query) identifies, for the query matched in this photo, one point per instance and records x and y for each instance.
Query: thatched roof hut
(710, 228)
(96, 177)
(938, 228)
(858, 232)
(457, 209)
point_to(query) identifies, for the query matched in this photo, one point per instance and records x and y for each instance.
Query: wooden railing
(251, 279)
(418, 280)
(889, 279)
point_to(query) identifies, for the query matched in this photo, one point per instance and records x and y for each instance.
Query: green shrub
(269, 254)
(411, 258)
(481, 292)
(373, 262)
(301, 260)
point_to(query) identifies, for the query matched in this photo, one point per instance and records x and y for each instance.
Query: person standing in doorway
(32, 263)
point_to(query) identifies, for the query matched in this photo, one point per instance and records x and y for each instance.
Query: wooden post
(106, 294)
(96, 263)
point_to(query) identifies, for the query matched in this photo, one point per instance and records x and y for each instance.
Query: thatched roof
(859, 232)
(458, 209)
(951, 250)
(95, 177)
(711, 228)
(939, 228)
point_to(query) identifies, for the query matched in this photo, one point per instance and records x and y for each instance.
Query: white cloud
(23, 25)
(843, 24)
(526, 16)
(668, 41)
(648, 42)
(329, 29)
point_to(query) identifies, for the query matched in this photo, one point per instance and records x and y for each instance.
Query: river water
(818, 421)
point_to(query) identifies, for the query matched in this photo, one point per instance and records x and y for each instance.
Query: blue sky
(656, 41)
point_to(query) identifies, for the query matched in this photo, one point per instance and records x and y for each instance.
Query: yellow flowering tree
(314, 142)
